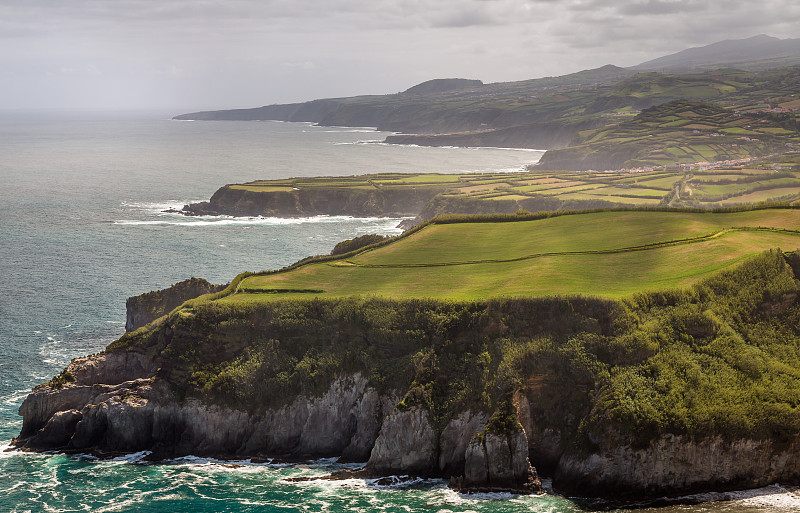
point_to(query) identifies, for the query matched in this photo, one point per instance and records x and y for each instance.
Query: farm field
(675, 133)
(699, 188)
(607, 253)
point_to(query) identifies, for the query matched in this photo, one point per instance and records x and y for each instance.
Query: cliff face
(400, 201)
(115, 403)
(450, 204)
(668, 465)
(672, 463)
(611, 398)
(148, 307)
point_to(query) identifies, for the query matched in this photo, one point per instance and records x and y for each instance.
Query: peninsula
(736, 180)
(484, 349)
(622, 316)
(603, 119)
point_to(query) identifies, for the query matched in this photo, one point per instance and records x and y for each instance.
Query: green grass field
(710, 187)
(607, 254)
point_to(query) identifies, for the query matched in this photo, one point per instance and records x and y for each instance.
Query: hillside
(679, 132)
(468, 261)
(583, 344)
(562, 112)
(753, 53)
(439, 107)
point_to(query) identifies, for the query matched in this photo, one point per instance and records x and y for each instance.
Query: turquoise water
(81, 229)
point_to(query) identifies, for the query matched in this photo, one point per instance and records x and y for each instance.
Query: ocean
(82, 229)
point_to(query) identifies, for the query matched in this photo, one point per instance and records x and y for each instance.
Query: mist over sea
(82, 229)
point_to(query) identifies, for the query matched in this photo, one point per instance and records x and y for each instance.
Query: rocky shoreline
(115, 403)
(485, 394)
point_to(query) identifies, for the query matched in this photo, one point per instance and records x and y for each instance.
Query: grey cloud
(251, 52)
(662, 7)
(471, 18)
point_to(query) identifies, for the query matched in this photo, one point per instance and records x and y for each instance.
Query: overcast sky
(207, 54)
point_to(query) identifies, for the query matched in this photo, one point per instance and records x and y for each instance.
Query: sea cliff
(627, 399)
(366, 196)
(145, 308)
(294, 202)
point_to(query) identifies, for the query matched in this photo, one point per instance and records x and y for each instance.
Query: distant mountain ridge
(752, 54)
(551, 112)
(442, 85)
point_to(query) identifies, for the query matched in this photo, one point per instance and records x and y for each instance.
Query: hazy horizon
(178, 56)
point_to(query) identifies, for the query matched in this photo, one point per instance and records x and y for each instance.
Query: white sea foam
(50, 353)
(353, 131)
(135, 457)
(773, 496)
(7, 450)
(365, 141)
(226, 465)
(15, 397)
(345, 128)
(160, 206)
(201, 221)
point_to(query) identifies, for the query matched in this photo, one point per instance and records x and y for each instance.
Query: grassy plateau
(607, 253)
(619, 326)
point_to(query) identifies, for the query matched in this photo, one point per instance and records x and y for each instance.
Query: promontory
(627, 353)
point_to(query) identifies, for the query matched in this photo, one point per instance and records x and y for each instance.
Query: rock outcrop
(672, 465)
(97, 409)
(499, 462)
(145, 308)
(115, 403)
(313, 201)
(407, 444)
(322, 378)
(669, 465)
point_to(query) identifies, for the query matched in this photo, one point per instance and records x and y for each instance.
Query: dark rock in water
(496, 459)
(148, 307)
(499, 463)
(202, 208)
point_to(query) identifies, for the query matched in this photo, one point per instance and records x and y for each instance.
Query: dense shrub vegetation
(346, 246)
(719, 358)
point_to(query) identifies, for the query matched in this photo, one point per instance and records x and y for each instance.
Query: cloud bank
(240, 53)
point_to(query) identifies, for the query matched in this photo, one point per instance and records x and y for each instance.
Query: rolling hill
(606, 253)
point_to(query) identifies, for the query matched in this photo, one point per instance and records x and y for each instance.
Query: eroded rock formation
(145, 308)
(115, 403)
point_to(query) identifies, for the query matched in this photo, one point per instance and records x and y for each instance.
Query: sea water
(82, 228)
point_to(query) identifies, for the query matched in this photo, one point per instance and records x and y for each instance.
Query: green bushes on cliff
(346, 246)
(719, 358)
